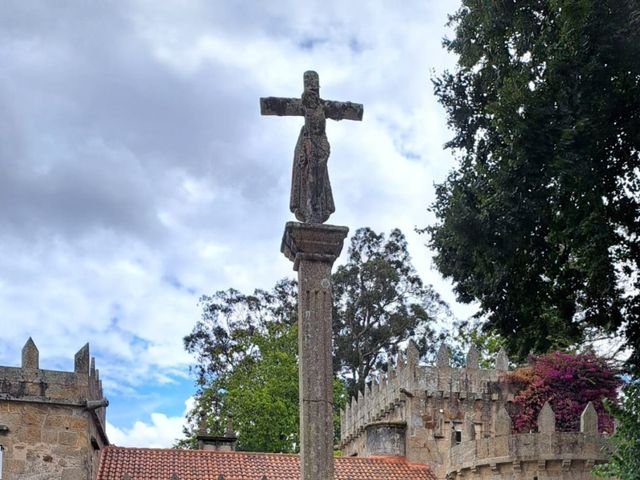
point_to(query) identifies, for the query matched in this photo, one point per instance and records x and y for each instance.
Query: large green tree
(267, 383)
(379, 302)
(539, 222)
(246, 350)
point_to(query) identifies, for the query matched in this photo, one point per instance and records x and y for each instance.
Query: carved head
(311, 81)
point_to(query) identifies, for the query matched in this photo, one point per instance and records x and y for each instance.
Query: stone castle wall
(51, 422)
(544, 455)
(559, 455)
(431, 401)
(455, 420)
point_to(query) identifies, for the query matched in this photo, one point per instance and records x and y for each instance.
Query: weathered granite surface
(53, 421)
(313, 249)
(386, 438)
(311, 198)
(456, 420)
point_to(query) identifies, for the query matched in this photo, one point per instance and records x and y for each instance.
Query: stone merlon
(54, 420)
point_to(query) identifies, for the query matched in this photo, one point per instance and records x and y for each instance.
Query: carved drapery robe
(311, 198)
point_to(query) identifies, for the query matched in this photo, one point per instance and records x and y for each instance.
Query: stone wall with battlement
(561, 455)
(455, 420)
(386, 399)
(545, 454)
(52, 423)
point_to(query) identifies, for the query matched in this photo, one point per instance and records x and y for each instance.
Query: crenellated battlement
(546, 453)
(456, 420)
(53, 422)
(31, 383)
(384, 399)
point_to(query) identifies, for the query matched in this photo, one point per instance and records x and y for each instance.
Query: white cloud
(161, 432)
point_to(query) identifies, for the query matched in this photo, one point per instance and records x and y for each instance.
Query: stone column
(313, 248)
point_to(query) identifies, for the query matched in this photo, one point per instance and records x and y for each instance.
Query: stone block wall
(545, 455)
(455, 420)
(433, 402)
(51, 422)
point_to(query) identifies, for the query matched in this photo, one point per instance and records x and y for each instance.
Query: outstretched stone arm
(343, 110)
(281, 106)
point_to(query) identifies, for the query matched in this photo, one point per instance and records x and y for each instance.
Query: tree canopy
(266, 383)
(379, 302)
(246, 348)
(246, 345)
(539, 223)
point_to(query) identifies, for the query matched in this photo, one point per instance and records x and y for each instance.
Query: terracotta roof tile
(161, 464)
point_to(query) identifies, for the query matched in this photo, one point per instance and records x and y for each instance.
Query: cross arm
(281, 106)
(343, 110)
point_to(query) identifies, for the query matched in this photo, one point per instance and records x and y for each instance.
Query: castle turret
(52, 423)
(421, 412)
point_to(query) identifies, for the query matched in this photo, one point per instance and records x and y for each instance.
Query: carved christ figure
(311, 198)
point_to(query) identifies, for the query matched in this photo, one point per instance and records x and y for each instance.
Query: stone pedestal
(313, 248)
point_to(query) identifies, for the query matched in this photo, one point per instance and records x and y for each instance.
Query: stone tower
(52, 423)
(455, 420)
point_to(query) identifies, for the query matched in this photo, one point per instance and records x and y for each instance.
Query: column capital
(314, 242)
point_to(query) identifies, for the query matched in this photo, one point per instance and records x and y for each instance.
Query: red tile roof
(161, 464)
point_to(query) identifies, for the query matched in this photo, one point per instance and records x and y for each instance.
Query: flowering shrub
(569, 382)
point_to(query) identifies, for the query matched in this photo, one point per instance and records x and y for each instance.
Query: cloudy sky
(137, 173)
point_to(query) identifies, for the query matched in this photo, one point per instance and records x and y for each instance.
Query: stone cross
(311, 198)
(313, 247)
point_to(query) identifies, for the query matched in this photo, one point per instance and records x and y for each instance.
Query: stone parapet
(16, 383)
(569, 451)
(544, 454)
(30, 382)
(384, 398)
(53, 422)
(456, 420)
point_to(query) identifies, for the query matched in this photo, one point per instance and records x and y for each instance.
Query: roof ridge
(207, 452)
